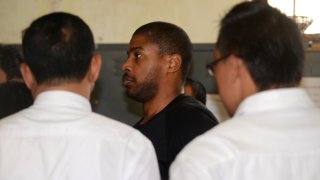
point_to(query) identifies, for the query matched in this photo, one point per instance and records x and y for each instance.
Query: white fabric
(60, 138)
(274, 135)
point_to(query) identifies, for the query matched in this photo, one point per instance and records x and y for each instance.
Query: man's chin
(134, 97)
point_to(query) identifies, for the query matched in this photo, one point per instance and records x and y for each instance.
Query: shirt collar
(62, 98)
(275, 99)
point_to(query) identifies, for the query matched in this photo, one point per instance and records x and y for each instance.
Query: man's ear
(28, 76)
(236, 67)
(175, 62)
(249, 86)
(95, 67)
(241, 67)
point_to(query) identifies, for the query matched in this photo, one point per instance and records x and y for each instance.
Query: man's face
(142, 69)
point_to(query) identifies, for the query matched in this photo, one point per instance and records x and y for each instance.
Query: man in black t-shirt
(159, 56)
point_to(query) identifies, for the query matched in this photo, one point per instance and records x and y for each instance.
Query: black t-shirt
(176, 125)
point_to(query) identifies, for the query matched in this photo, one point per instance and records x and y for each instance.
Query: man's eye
(137, 55)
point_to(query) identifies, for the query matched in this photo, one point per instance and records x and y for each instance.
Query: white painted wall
(113, 21)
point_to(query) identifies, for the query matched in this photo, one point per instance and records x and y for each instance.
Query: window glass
(300, 8)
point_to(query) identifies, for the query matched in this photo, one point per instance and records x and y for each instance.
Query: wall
(113, 21)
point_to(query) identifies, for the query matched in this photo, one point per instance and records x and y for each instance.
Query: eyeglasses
(211, 66)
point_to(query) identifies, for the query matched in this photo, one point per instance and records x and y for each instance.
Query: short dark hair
(58, 46)
(14, 96)
(198, 89)
(10, 60)
(269, 43)
(170, 39)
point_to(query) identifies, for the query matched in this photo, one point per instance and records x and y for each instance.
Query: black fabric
(172, 128)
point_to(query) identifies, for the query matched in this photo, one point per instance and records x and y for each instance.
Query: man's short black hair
(170, 39)
(268, 41)
(58, 46)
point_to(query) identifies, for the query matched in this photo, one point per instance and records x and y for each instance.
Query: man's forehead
(140, 43)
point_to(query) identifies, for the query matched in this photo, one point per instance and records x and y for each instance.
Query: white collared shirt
(274, 135)
(60, 138)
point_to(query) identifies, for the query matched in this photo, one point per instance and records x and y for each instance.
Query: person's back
(59, 137)
(274, 131)
(68, 141)
(259, 142)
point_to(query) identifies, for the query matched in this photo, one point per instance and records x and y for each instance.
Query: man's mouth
(126, 80)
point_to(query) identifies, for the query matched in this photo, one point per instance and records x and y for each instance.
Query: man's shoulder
(187, 105)
(183, 101)
(11, 119)
(209, 148)
(223, 142)
(189, 110)
(92, 125)
(107, 126)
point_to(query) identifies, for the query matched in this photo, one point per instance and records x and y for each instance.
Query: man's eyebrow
(133, 49)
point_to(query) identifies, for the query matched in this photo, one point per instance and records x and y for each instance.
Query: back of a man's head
(170, 39)
(268, 42)
(58, 47)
